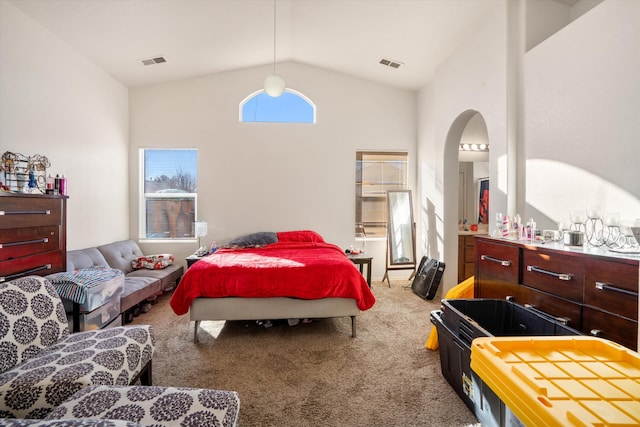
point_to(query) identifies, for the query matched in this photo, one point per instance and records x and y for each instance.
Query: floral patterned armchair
(42, 364)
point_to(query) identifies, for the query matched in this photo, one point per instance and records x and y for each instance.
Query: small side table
(192, 259)
(362, 260)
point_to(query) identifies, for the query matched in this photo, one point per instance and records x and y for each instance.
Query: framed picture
(483, 201)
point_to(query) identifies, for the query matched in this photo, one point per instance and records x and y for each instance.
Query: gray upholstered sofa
(138, 284)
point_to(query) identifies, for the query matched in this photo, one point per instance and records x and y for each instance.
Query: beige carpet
(316, 374)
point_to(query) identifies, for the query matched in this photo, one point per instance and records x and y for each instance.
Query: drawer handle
(46, 212)
(25, 242)
(561, 276)
(502, 262)
(24, 273)
(596, 333)
(608, 287)
(562, 320)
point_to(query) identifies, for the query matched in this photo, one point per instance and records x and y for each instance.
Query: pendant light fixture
(274, 84)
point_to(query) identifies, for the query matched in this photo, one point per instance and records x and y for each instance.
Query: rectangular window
(377, 173)
(169, 183)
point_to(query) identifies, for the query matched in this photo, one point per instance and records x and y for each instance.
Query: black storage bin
(459, 321)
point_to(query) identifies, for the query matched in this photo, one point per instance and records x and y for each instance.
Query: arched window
(290, 107)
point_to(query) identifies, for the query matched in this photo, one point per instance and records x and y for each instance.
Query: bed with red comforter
(297, 276)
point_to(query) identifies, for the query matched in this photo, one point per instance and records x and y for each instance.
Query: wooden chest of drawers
(593, 292)
(466, 256)
(32, 235)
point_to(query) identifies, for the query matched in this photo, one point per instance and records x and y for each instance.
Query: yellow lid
(560, 380)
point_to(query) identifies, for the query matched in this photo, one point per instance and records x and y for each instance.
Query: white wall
(55, 103)
(583, 105)
(471, 81)
(580, 109)
(545, 17)
(269, 176)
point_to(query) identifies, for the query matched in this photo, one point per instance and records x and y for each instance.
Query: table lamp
(199, 230)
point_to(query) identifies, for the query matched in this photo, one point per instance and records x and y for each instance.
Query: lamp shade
(274, 85)
(200, 228)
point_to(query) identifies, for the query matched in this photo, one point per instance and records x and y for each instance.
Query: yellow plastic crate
(561, 381)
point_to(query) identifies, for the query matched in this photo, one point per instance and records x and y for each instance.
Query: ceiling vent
(390, 63)
(153, 61)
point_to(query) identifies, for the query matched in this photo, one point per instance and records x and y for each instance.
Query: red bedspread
(284, 269)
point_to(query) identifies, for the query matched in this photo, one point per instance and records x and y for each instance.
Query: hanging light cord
(274, 36)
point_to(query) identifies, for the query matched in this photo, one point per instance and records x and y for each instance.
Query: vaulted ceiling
(199, 37)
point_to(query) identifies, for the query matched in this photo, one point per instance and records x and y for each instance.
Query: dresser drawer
(498, 261)
(558, 308)
(41, 265)
(19, 212)
(468, 270)
(497, 269)
(469, 253)
(555, 273)
(611, 327)
(19, 242)
(612, 287)
(467, 240)
(466, 257)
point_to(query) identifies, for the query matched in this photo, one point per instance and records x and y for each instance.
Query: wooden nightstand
(362, 260)
(193, 258)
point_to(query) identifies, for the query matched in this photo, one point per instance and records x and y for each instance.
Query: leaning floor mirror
(401, 233)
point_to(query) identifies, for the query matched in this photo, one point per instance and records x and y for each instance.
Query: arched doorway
(468, 128)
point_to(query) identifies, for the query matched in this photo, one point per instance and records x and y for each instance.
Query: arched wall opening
(459, 132)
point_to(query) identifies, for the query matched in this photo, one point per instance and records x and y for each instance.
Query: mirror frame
(392, 238)
(404, 265)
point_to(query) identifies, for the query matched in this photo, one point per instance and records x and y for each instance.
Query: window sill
(165, 241)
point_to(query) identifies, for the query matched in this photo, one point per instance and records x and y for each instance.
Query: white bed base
(232, 308)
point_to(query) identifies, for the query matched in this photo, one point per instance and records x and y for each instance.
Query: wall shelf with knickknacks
(24, 174)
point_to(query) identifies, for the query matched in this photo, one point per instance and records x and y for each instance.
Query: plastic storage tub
(460, 321)
(91, 296)
(560, 381)
(105, 316)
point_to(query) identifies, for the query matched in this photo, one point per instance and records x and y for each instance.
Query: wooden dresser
(467, 254)
(591, 289)
(33, 235)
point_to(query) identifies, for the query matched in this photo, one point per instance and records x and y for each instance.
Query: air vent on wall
(390, 63)
(153, 61)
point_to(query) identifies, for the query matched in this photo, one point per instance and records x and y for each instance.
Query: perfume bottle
(497, 232)
(32, 180)
(63, 185)
(506, 226)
